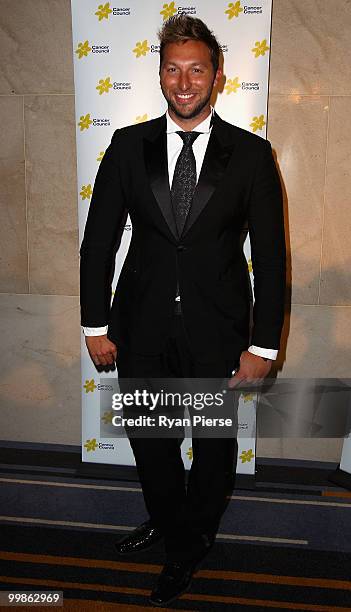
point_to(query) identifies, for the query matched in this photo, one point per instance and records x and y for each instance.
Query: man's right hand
(102, 351)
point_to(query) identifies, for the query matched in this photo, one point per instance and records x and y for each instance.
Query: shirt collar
(203, 127)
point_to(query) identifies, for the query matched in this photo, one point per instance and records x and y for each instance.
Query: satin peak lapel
(214, 165)
(156, 164)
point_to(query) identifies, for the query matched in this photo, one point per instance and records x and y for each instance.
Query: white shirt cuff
(95, 331)
(263, 352)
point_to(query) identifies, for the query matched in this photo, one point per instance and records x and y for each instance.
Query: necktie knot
(188, 138)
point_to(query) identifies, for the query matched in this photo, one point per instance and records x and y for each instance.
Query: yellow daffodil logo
(233, 10)
(107, 417)
(248, 397)
(104, 85)
(260, 48)
(89, 386)
(141, 48)
(257, 123)
(86, 192)
(168, 11)
(232, 85)
(141, 118)
(91, 445)
(101, 154)
(247, 456)
(83, 49)
(85, 122)
(249, 265)
(103, 11)
(190, 453)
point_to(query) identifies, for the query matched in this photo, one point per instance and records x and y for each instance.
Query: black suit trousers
(188, 515)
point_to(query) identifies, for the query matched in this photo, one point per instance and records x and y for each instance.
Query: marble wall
(310, 130)
(39, 303)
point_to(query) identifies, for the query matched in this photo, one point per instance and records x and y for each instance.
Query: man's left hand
(252, 369)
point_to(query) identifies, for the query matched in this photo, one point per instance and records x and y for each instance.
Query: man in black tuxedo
(190, 182)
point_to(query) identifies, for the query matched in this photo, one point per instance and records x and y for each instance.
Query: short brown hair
(182, 28)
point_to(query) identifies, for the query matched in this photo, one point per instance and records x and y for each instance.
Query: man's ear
(218, 77)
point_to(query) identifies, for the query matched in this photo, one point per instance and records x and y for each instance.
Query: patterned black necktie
(184, 179)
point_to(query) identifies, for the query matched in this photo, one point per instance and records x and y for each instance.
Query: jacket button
(180, 247)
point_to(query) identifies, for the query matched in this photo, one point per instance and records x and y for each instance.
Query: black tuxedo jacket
(238, 186)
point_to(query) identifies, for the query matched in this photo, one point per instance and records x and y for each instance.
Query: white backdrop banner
(116, 62)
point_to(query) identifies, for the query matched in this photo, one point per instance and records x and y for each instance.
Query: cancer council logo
(257, 123)
(233, 10)
(168, 11)
(189, 453)
(107, 417)
(104, 85)
(86, 192)
(246, 456)
(83, 49)
(90, 386)
(260, 48)
(232, 85)
(141, 48)
(140, 118)
(103, 11)
(247, 397)
(91, 445)
(85, 122)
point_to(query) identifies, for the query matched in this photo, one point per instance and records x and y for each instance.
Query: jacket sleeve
(268, 253)
(97, 251)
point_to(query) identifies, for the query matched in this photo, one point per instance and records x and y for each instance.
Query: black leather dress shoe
(174, 580)
(176, 576)
(142, 538)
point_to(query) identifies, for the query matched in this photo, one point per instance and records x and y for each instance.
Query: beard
(196, 110)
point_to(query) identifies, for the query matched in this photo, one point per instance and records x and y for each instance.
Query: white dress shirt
(174, 147)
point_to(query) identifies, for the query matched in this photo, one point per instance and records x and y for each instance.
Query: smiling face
(187, 79)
